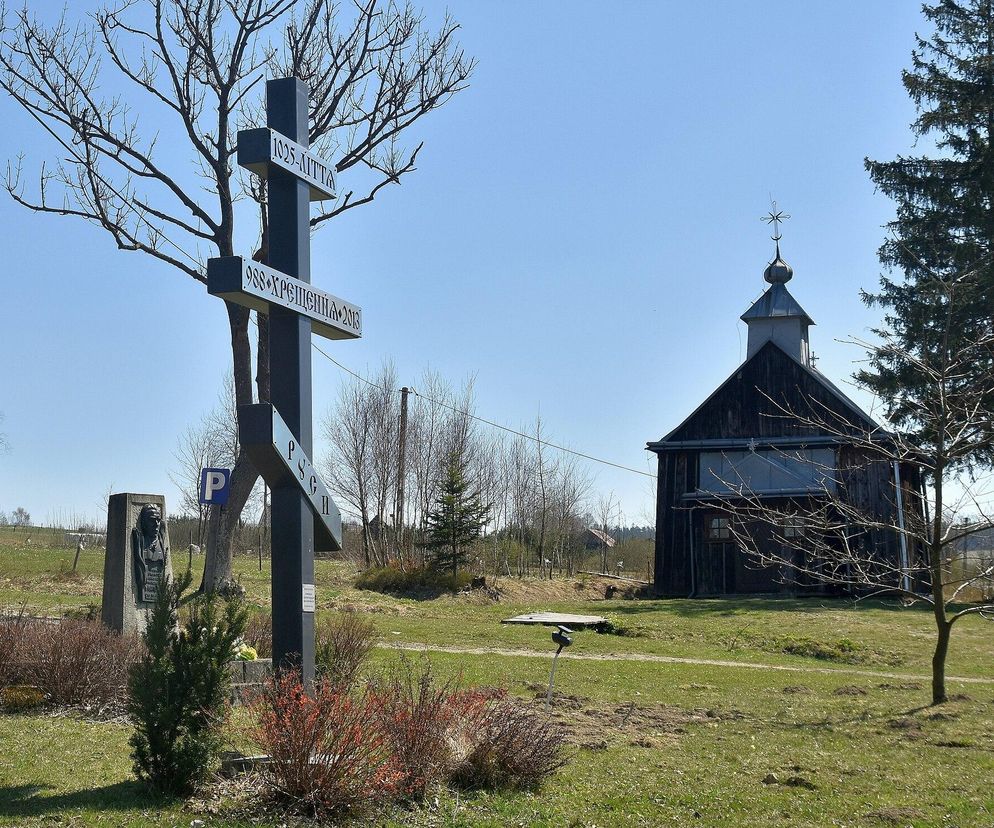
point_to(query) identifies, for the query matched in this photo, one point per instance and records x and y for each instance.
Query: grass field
(844, 737)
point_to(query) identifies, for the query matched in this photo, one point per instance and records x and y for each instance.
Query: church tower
(777, 317)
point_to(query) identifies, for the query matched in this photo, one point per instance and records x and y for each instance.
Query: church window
(718, 528)
(767, 471)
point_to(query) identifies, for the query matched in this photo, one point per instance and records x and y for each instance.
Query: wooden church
(741, 440)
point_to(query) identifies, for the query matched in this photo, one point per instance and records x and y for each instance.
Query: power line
(490, 423)
(328, 356)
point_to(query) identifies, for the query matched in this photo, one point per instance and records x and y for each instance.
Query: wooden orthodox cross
(278, 434)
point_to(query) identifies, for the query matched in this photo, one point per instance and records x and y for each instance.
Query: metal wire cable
(328, 356)
(484, 420)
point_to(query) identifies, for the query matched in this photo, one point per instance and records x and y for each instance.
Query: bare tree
(20, 517)
(573, 486)
(349, 468)
(491, 475)
(520, 466)
(607, 508)
(544, 470)
(833, 538)
(196, 66)
(210, 443)
(426, 445)
(362, 468)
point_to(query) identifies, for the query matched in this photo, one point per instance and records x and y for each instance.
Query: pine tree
(942, 239)
(457, 518)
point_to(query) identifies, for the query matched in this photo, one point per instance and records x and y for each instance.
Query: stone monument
(138, 563)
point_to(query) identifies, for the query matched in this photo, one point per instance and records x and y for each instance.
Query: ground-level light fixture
(561, 635)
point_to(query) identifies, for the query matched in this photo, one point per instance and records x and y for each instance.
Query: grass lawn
(653, 743)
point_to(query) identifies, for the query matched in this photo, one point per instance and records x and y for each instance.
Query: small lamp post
(560, 637)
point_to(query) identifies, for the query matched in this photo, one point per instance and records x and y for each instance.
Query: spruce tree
(941, 241)
(457, 518)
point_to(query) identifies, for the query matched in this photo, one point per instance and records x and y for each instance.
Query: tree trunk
(939, 662)
(935, 555)
(222, 525)
(224, 520)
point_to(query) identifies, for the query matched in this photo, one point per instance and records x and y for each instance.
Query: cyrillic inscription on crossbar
(279, 459)
(258, 148)
(257, 286)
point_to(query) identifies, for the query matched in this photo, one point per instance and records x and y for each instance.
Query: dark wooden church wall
(677, 475)
(867, 484)
(741, 410)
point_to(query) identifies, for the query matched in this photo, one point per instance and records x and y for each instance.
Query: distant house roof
(376, 526)
(599, 538)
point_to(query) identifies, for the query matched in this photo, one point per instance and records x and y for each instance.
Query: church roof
(776, 303)
(845, 406)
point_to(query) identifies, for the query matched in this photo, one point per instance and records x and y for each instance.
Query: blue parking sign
(214, 485)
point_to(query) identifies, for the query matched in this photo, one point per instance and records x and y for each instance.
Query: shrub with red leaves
(416, 715)
(327, 753)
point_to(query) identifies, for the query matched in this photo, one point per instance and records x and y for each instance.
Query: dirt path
(707, 662)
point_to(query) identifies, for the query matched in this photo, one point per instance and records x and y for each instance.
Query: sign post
(278, 433)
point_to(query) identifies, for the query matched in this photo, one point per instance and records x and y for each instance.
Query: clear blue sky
(581, 235)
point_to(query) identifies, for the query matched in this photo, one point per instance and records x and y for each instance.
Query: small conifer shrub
(178, 690)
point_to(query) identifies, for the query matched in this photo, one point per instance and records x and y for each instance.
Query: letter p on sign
(214, 485)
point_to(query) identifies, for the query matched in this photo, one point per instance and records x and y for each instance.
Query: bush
(342, 643)
(259, 633)
(332, 750)
(476, 738)
(417, 716)
(78, 662)
(506, 746)
(427, 582)
(179, 689)
(73, 662)
(15, 628)
(19, 698)
(843, 650)
(614, 626)
(326, 753)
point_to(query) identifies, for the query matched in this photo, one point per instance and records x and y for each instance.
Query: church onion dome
(778, 271)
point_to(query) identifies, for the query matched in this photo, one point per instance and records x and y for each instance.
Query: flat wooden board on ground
(558, 619)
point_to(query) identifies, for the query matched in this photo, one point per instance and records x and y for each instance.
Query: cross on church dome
(777, 271)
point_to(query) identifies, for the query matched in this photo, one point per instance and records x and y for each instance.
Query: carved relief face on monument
(149, 547)
(150, 530)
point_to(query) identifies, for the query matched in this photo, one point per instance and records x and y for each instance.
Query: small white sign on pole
(308, 597)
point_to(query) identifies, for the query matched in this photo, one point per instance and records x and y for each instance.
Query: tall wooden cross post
(290, 383)
(278, 434)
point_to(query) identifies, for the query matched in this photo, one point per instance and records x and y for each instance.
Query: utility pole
(401, 451)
